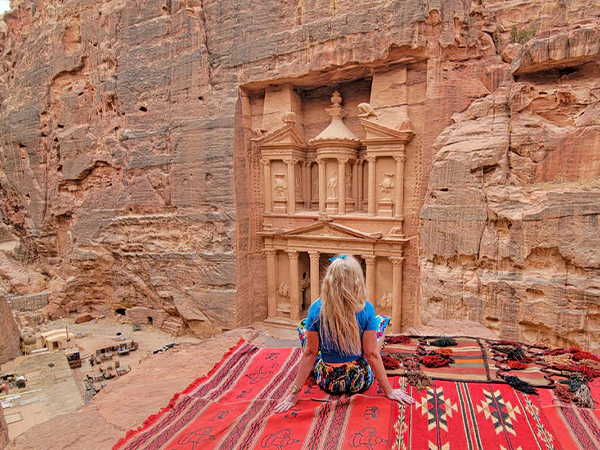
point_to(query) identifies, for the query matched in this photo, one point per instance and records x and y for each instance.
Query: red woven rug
(457, 415)
(231, 408)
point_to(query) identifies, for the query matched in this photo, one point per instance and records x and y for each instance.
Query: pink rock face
(9, 337)
(510, 224)
(126, 153)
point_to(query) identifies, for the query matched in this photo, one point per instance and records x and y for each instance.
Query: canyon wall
(510, 222)
(9, 337)
(125, 149)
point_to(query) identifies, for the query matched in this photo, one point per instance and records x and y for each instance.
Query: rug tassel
(520, 385)
(417, 379)
(583, 397)
(563, 392)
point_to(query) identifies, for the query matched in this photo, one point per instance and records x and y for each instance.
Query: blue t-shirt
(366, 321)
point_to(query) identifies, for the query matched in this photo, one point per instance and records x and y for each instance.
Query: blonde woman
(341, 345)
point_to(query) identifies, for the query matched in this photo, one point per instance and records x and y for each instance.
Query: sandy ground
(124, 403)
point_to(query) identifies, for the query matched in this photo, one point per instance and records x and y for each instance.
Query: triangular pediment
(329, 230)
(286, 135)
(375, 131)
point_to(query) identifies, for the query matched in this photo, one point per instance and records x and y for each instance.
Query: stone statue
(387, 184)
(332, 186)
(366, 110)
(385, 301)
(289, 117)
(280, 184)
(283, 290)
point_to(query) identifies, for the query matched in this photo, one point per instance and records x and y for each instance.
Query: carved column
(315, 282)
(271, 283)
(342, 185)
(355, 184)
(396, 321)
(322, 186)
(294, 287)
(399, 203)
(359, 181)
(370, 278)
(372, 183)
(268, 186)
(306, 184)
(291, 175)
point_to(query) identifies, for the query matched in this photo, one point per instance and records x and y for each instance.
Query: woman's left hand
(401, 396)
(286, 403)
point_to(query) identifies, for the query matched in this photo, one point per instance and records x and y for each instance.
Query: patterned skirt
(350, 378)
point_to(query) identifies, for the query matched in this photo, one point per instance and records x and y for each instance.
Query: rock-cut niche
(327, 170)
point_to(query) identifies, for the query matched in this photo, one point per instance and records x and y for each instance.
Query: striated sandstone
(511, 218)
(9, 336)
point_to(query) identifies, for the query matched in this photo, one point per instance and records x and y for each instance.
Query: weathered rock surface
(510, 223)
(124, 153)
(9, 333)
(3, 430)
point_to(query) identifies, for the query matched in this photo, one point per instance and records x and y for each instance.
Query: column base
(385, 208)
(281, 322)
(349, 205)
(332, 207)
(280, 206)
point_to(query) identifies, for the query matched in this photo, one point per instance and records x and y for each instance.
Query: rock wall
(510, 221)
(3, 430)
(9, 333)
(125, 139)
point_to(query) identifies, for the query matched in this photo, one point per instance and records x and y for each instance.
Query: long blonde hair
(342, 296)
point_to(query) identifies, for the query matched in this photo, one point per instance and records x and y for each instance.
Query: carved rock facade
(133, 138)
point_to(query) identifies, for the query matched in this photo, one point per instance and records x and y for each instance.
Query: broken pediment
(377, 133)
(329, 230)
(285, 137)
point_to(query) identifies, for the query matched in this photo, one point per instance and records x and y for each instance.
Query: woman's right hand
(401, 396)
(287, 403)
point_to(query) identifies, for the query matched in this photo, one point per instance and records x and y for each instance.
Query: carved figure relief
(280, 184)
(283, 290)
(385, 301)
(332, 185)
(387, 184)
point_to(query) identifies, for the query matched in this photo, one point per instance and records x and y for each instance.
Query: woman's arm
(372, 353)
(305, 366)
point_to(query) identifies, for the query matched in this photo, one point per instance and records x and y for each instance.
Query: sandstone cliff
(124, 149)
(510, 222)
(9, 337)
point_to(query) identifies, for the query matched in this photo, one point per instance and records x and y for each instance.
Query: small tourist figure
(343, 327)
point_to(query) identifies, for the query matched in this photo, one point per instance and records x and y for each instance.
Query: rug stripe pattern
(232, 408)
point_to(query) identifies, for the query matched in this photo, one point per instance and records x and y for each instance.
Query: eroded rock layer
(9, 337)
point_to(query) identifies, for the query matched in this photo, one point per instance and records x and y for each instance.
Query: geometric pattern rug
(232, 408)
